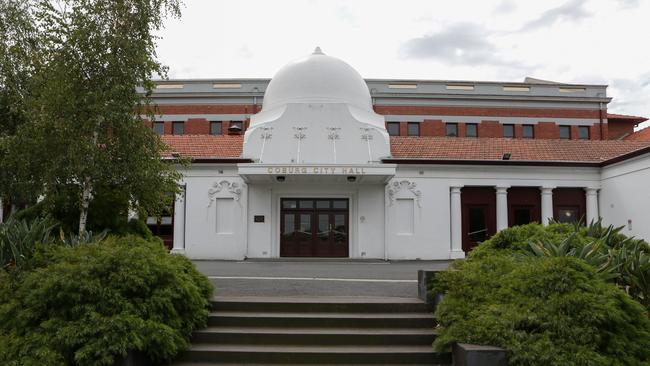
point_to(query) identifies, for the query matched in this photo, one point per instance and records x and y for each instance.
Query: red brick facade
(544, 128)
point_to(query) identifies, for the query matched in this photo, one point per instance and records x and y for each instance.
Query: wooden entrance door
(314, 227)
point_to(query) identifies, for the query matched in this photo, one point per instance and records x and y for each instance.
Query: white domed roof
(317, 78)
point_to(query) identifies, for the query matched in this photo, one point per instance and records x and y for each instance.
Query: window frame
(161, 124)
(523, 131)
(455, 126)
(584, 128)
(408, 129)
(508, 125)
(178, 123)
(475, 126)
(220, 127)
(566, 128)
(392, 124)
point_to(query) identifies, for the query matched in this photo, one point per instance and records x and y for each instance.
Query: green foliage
(70, 72)
(544, 310)
(18, 239)
(89, 304)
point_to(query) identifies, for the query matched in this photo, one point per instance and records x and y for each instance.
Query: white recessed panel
(405, 217)
(225, 209)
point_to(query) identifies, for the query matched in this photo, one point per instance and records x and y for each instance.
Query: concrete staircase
(310, 331)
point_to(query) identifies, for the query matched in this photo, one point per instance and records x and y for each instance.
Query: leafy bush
(619, 259)
(19, 237)
(544, 310)
(89, 304)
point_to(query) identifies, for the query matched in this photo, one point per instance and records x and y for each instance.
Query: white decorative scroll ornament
(266, 135)
(232, 187)
(366, 134)
(396, 186)
(299, 135)
(333, 135)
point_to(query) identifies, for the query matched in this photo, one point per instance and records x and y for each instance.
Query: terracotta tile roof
(204, 146)
(454, 148)
(640, 135)
(626, 117)
(437, 148)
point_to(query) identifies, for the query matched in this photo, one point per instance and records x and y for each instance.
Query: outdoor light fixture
(352, 179)
(280, 178)
(506, 156)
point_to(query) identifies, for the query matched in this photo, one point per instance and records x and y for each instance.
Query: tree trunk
(85, 202)
(85, 195)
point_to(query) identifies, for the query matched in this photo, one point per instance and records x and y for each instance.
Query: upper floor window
(583, 132)
(159, 128)
(215, 128)
(178, 128)
(565, 132)
(413, 129)
(452, 129)
(509, 131)
(393, 128)
(471, 130)
(528, 131)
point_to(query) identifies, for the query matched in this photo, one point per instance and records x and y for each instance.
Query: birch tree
(84, 125)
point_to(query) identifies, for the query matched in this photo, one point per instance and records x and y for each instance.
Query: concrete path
(316, 277)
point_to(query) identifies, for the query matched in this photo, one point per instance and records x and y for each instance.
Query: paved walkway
(316, 277)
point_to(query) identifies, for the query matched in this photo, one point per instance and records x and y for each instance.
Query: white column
(547, 204)
(179, 222)
(456, 219)
(502, 207)
(592, 205)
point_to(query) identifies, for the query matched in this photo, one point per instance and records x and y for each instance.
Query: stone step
(321, 319)
(315, 336)
(320, 304)
(333, 355)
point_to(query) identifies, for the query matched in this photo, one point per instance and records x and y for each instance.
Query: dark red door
(314, 227)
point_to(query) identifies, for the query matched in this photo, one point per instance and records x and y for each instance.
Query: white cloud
(585, 41)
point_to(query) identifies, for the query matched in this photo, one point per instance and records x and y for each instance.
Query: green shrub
(545, 311)
(90, 304)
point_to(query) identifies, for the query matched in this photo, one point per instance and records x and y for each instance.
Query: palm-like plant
(18, 238)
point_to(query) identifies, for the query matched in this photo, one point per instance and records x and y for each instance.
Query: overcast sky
(575, 41)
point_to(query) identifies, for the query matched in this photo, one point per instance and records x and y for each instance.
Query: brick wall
(619, 128)
(432, 128)
(490, 129)
(197, 126)
(547, 130)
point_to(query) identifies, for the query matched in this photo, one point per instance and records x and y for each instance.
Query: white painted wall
(625, 195)
(412, 222)
(216, 203)
(366, 200)
(430, 237)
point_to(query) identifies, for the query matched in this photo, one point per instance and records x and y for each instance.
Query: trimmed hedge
(545, 311)
(91, 304)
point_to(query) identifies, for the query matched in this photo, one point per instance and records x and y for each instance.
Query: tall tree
(84, 125)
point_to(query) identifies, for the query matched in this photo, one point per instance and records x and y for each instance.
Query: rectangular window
(509, 131)
(565, 132)
(471, 130)
(178, 128)
(452, 129)
(393, 128)
(413, 129)
(159, 128)
(528, 131)
(583, 132)
(215, 127)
